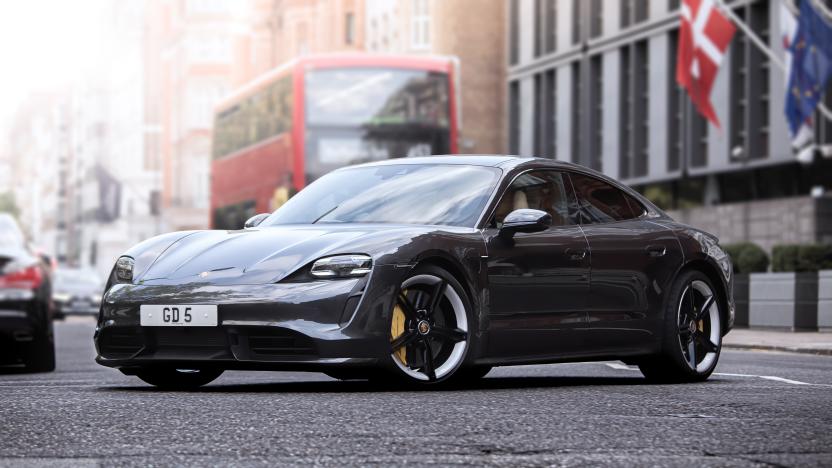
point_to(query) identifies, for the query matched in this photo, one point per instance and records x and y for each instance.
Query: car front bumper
(283, 326)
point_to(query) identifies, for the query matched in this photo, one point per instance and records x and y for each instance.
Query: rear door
(633, 260)
(538, 281)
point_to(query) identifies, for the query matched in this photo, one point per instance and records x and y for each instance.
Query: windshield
(433, 194)
(357, 115)
(356, 97)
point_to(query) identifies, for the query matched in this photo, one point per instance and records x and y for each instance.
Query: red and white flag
(704, 35)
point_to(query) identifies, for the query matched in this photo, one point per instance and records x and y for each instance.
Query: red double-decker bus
(319, 113)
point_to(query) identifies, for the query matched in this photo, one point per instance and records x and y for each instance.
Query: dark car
(25, 303)
(76, 291)
(425, 270)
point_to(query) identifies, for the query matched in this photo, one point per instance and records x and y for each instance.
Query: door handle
(574, 254)
(655, 250)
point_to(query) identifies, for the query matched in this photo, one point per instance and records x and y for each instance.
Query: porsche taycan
(424, 271)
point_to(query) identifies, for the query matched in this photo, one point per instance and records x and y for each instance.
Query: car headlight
(342, 266)
(124, 270)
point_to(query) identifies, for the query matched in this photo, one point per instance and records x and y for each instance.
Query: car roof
(510, 163)
(490, 160)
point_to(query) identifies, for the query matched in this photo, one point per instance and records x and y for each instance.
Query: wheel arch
(454, 268)
(714, 275)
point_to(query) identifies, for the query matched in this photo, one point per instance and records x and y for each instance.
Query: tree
(8, 204)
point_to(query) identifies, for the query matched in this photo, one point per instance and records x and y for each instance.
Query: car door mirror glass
(526, 220)
(255, 220)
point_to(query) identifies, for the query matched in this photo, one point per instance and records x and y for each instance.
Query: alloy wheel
(429, 330)
(699, 326)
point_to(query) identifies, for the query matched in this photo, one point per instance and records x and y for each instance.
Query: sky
(44, 44)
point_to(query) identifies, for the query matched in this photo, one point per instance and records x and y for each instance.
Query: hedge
(801, 257)
(747, 257)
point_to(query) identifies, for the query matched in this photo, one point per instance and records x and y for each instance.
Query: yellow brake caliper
(397, 329)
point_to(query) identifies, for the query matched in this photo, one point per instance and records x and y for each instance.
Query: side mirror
(525, 220)
(255, 220)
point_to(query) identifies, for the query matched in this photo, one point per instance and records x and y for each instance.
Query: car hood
(265, 255)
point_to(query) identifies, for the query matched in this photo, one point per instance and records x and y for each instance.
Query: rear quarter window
(600, 202)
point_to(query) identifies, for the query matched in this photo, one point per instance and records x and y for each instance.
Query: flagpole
(763, 47)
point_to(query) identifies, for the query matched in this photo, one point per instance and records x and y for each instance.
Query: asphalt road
(762, 409)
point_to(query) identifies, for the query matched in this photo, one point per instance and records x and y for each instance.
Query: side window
(600, 202)
(539, 190)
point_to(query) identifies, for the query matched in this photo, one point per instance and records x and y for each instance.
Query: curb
(785, 349)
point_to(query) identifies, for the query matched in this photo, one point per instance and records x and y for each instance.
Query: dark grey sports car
(425, 270)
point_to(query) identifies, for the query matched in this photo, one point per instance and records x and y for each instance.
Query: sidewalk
(795, 342)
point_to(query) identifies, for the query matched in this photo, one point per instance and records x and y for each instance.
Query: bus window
(263, 115)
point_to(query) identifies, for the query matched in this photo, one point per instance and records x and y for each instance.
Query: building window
(551, 12)
(748, 120)
(514, 117)
(596, 109)
(676, 99)
(200, 101)
(514, 32)
(551, 118)
(699, 138)
(634, 137)
(545, 23)
(538, 124)
(674, 5)
(640, 114)
(625, 109)
(596, 15)
(577, 112)
(206, 7)
(739, 92)
(420, 25)
(759, 86)
(544, 114)
(208, 48)
(577, 20)
(633, 12)
(349, 28)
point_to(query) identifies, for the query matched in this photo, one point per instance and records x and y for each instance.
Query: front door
(538, 281)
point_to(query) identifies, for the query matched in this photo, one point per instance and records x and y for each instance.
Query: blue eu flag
(811, 65)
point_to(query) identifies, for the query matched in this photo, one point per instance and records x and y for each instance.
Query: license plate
(178, 315)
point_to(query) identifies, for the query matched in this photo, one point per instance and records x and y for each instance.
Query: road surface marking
(619, 366)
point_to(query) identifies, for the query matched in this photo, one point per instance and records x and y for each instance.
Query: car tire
(429, 328)
(40, 352)
(692, 335)
(178, 379)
